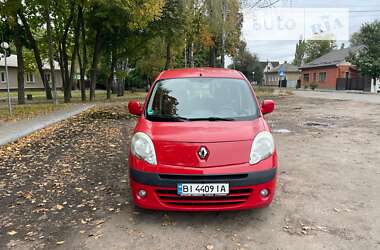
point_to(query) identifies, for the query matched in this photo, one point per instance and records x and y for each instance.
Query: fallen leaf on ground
(11, 233)
(59, 207)
(98, 222)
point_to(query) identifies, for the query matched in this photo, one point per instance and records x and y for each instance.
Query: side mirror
(267, 106)
(135, 108)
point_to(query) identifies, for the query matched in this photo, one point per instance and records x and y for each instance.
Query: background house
(32, 79)
(291, 75)
(268, 66)
(333, 71)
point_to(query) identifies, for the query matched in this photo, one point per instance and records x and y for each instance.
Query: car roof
(201, 72)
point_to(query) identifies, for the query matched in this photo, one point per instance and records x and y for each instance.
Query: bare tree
(258, 3)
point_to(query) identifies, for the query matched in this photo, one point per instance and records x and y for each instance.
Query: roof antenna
(200, 74)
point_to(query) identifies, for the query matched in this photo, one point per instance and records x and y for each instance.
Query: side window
(306, 77)
(322, 76)
(29, 77)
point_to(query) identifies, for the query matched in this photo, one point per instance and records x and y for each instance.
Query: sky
(361, 11)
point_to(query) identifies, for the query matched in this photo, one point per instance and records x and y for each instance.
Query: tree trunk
(224, 14)
(66, 82)
(122, 87)
(37, 54)
(82, 63)
(168, 55)
(75, 51)
(20, 60)
(50, 48)
(212, 56)
(191, 55)
(121, 82)
(111, 75)
(65, 57)
(61, 64)
(94, 66)
(118, 86)
(82, 82)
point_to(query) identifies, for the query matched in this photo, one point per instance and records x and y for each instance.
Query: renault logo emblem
(203, 152)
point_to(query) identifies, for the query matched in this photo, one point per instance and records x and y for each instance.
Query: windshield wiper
(176, 118)
(212, 119)
(168, 118)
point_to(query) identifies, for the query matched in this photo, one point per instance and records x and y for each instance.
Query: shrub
(314, 85)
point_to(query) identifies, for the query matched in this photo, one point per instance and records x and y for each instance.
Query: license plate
(202, 189)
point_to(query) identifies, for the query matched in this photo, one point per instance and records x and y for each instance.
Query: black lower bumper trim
(171, 180)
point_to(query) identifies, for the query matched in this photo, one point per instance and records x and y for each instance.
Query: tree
(50, 46)
(22, 12)
(224, 22)
(110, 21)
(300, 53)
(247, 63)
(82, 53)
(171, 27)
(116, 37)
(20, 60)
(367, 58)
(318, 48)
(9, 9)
(258, 3)
(64, 12)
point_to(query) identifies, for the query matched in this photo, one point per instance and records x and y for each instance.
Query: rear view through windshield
(191, 99)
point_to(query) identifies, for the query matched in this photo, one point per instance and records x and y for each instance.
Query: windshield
(191, 99)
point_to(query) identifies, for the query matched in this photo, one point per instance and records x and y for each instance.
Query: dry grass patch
(28, 111)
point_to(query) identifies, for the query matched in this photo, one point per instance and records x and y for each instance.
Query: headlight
(142, 147)
(262, 147)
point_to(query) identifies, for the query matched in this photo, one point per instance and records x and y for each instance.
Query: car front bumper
(161, 190)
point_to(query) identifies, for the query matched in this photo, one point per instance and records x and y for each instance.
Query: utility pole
(5, 46)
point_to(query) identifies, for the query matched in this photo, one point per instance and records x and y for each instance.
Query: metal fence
(359, 83)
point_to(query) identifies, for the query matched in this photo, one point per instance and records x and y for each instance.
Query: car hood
(178, 143)
(202, 131)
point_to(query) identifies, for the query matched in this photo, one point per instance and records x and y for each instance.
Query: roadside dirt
(66, 178)
(327, 195)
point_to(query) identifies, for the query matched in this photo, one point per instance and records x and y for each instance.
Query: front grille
(236, 196)
(203, 177)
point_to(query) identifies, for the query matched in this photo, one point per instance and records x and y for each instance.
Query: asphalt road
(340, 95)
